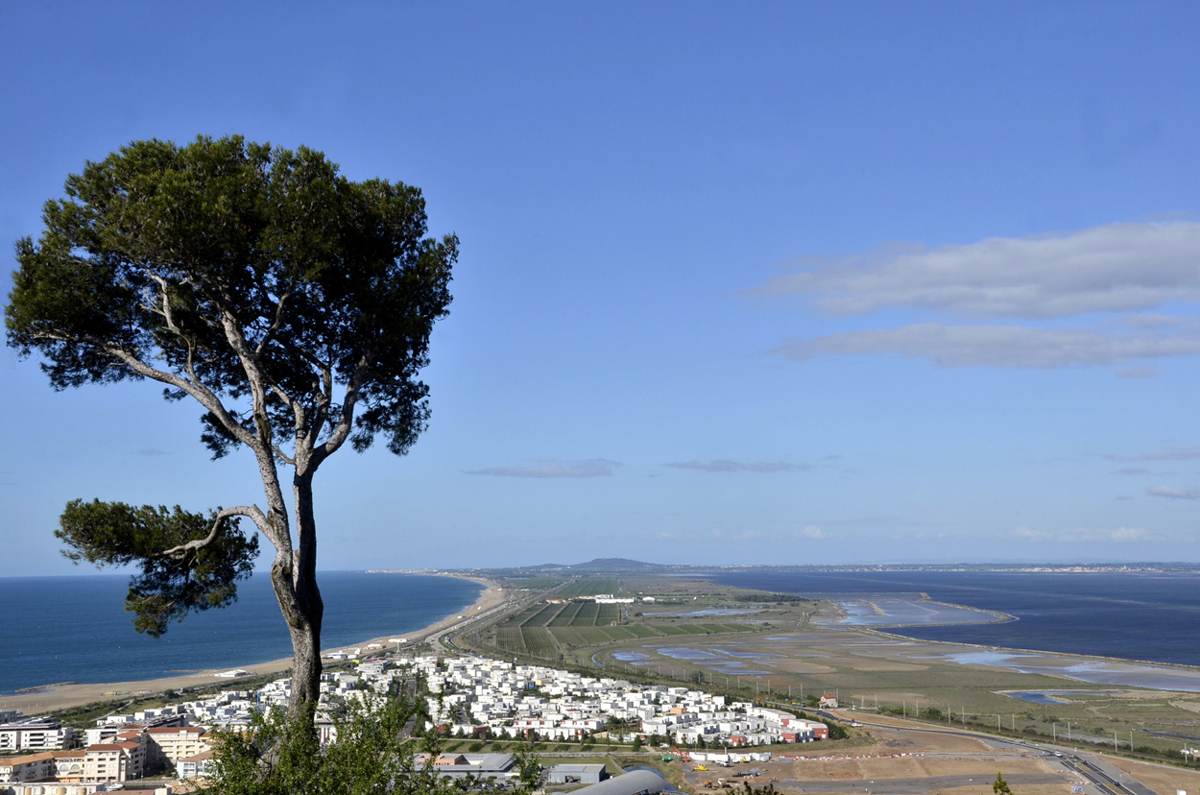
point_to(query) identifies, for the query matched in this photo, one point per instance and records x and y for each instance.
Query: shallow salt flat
(1098, 672)
(628, 656)
(735, 668)
(685, 653)
(893, 611)
(1051, 696)
(749, 655)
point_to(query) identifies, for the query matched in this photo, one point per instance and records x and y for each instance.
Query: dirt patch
(886, 666)
(802, 667)
(813, 769)
(1162, 779)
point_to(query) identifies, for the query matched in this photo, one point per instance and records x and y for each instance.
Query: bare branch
(282, 456)
(250, 511)
(169, 317)
(196, 389)
(166, 313)
(276, 322)
(346, 421)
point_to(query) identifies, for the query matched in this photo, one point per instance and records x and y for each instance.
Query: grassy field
(546, 629)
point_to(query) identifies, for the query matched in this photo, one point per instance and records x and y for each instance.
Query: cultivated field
(549, 628)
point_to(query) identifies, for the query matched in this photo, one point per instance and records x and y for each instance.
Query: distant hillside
(615, 564)
(597, 566)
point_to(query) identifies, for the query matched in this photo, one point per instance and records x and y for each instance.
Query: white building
(34, 734)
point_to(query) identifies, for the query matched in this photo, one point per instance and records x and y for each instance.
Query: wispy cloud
(1119, 535)
(1107, 277)
(590, 468)
(1116, 267)
(1172, 493)
(1137, 372)
(812, 532)
(1178, 454)
(1132, 471)
(729, 465)
(996, 346)
(152, 452)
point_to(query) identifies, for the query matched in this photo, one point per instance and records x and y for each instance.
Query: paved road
(912, 786)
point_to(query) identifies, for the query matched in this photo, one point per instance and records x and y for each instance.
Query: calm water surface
(60, 629)
(1130, 615)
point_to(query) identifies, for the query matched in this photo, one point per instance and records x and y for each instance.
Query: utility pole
(1068, 731)
(1054, 732)
(997, 724)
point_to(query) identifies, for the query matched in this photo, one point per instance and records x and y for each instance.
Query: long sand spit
(56, 697)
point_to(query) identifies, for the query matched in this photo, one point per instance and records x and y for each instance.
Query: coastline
(65, 696)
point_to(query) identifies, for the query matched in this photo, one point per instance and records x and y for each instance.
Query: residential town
(466, 696)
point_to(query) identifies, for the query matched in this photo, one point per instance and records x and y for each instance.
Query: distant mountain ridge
(628, 566)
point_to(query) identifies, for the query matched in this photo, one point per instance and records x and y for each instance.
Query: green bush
(373, 755)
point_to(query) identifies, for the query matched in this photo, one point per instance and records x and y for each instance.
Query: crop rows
(566, 616)
(535, 630)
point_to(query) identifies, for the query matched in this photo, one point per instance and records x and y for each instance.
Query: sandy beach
(56, 697)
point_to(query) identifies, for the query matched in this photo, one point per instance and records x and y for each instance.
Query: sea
(75, 629)
(1133, 615)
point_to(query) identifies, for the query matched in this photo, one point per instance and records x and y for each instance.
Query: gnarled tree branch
(252, 512)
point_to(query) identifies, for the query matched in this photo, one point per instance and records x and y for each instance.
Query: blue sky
(739, 283)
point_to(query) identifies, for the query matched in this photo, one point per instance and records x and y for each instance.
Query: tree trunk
(300, 602)
(309, 609)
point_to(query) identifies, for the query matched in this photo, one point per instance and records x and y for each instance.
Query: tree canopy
(293, 304)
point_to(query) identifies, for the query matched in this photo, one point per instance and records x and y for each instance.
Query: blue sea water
(60, 629)
(1130, 615)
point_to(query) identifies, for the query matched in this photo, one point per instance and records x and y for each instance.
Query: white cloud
(1173, 493)
(591, 468)
(813, 532)
(1114, 268)
(729, 465)
(996, 346)
(1129, 534)
(1120, 535)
